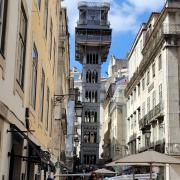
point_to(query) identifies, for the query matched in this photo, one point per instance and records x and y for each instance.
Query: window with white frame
(54, 54)
(139, 89)
(154, 98)
(160, 62)
(135, 94)
(131, 99)
(153, 70)
(47, 107)
(148, 77)
(39, 4)
(139, 113)
(45, 17)
(3, 18)
(50, 38)
(143, 109)
(143, 84)
(42, 95)
(21, 47)
(134, 118)
(34, 75)
(148, 104)
(160, 93)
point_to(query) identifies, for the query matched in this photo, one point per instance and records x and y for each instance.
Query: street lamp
(148, 135)
(76, 140)
(78, 109)
(58, 98)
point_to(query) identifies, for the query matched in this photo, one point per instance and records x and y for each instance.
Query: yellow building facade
(44, 45)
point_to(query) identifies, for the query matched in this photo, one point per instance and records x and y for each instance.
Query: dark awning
(39, 155)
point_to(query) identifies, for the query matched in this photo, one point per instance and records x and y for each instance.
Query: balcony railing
(94, 22)
(93, 38)
(150, 116)
(151, 44)
(94, 4)
(154, 145)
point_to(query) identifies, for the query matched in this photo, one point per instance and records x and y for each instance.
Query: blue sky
(125, 17)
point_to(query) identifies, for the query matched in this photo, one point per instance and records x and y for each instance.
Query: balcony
(93, 4)
(151, 116)
(93, 39)
(152, 43)
(84, 22)
(158, 146)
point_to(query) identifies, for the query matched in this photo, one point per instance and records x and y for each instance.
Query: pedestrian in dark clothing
(93, 176)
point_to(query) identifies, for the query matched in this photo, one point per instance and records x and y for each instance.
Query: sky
(125, 16)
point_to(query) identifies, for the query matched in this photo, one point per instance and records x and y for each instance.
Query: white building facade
(154, 86)
(14, 42)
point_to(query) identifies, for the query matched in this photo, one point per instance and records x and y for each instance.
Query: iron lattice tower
(93, 40)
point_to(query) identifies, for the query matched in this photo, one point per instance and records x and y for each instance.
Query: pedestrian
(49, 178)
(93, 176)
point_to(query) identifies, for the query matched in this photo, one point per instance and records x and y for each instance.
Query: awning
(39, 156)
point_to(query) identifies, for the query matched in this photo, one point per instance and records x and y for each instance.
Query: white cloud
(123, 16)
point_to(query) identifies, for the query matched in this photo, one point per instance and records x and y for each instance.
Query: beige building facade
(114, 115)
(153, 88)
(30, 63)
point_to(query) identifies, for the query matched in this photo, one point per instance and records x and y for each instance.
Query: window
(143, 83)
(39, 4)
(135, 94)
(139, 114)
(42, 96)
(45, 17)
(21, 48)
(54, 55)
(131, 99)
(87, 58)
(160, 62)
(139, 89)
(52, 116)
(148, 77)
(3, 17)
(143, 109)
(153, 70)
(92, 58)
(154, 99)
(148, 104)
(47, 108)
(160, 93)
(34, 75)
(50, 39)
(134, 117)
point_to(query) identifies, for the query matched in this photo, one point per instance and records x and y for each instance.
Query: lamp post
(148, 135)
(78, 109)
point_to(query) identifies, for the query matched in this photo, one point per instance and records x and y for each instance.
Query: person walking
(93, 176)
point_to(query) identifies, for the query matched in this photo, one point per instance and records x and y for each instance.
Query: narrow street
(89, 90)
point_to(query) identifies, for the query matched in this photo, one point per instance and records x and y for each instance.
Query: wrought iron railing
(152, 41)
(150, 116)
(93, 38)
(93, 22)
(94, 4)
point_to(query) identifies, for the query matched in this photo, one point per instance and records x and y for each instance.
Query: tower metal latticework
(93, 40)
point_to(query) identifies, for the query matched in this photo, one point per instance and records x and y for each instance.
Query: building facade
(15, 49)
(153, 88)
(113, 125)
(93, 39)
(30, 36)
